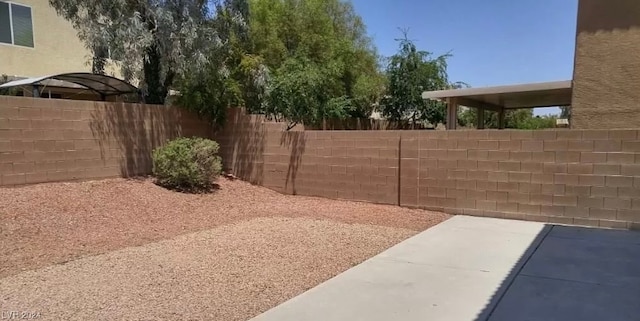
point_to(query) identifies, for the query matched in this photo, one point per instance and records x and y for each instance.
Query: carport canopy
(101, 84)
(501, 98)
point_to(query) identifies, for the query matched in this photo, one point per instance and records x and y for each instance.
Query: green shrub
(188, 164)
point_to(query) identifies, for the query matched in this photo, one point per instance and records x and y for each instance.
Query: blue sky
(494, 42)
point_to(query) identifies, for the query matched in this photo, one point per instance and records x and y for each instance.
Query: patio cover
(500, 98)
(101, 84)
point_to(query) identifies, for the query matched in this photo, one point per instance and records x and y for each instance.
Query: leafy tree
(298, 94)
(156, 41)
(317, 52)
(237, 52)
(222, 81)
(11, 91)
(411, 72)
(565, 112)
(99, 60)
(515, 119)
(538, 122)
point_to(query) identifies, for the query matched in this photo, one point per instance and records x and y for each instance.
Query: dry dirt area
(128, 249)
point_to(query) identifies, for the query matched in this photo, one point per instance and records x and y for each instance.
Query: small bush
(188, 164)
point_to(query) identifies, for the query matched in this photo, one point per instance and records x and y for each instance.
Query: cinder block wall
(585, 177)
(606, 88)
(48, 140)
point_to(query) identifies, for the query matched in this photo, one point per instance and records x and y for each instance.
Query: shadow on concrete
(572, 273)
(493, 302)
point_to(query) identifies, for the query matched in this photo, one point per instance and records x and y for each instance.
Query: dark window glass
(5, 24)
(22, 26)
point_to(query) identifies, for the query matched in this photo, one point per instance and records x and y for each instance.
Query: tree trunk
(100, 55)
(156, 89)
(156, 92)
(413, 121)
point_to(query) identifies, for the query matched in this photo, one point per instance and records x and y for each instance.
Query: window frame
(33, 31)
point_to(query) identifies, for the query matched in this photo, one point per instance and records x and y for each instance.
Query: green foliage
(188, 164)
(155, 41)
(319, 55)
(411, 72)
(514, 119)
(209, 94)
(7, 91)
(224, 53)
(4, 79)
(298, 93)
(537, 122)
(299, 60)
(228, 77)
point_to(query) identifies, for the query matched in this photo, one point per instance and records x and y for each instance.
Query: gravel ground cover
(128, 249)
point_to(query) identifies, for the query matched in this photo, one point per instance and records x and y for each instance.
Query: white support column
(452, 113)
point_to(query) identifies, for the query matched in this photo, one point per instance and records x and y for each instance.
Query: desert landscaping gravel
(128, 249)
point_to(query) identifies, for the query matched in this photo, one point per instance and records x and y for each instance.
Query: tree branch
(291, 125)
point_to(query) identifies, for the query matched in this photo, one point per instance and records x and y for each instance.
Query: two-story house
(35, 41)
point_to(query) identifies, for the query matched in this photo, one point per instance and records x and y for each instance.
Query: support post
(480, 124)
(501, 124)
(452, 113)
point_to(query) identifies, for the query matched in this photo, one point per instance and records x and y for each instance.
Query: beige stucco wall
(606, 90)
(57, 48)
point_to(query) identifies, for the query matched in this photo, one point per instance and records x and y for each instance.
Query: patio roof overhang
(500, 98)
(101, 84)
(547, 94)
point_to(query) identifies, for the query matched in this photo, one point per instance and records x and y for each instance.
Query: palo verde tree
(409, 73)
(154, 40)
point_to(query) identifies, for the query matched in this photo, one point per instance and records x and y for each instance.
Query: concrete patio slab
(542, 299)
(479, 269)
(382, 290)
(485, 224)
(478, 249)
(577, 274)
(594, 234)
(454, 271)
(583, 260)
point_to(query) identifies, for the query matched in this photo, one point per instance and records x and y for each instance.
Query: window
(16, 26)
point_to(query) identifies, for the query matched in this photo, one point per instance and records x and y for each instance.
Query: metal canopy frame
(101, 84)
(501, 98)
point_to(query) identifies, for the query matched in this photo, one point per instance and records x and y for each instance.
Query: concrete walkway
(477, 269)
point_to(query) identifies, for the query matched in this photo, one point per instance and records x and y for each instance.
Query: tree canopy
(319, 55)
(302, 61)
(514, 119)
(228, 77)
(155, 41)
(410, 72)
